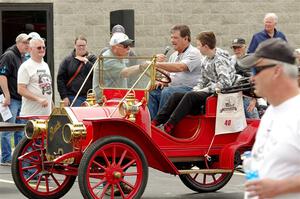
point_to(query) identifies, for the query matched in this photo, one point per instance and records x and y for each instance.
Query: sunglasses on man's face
(41, 47)
(236, 47)
(257, 69)
(125, 46)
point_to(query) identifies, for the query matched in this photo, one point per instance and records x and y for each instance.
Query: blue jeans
(78, 102)
(251, 115)
(15, 108)
(159, 97)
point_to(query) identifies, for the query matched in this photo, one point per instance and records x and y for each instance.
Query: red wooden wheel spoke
(30, 177)
(121, 190)
(104, 190)
(214, 177)
(196, 175)
(131, 173)
(99, 165)
(122, 157)
(127, 183)
(47, 183)
(204, 179)
(38, 183)
(55, 180)
(113, 155)
(97, 175)
(128, 164)
(99, 183)
(105, 158)
(112, 191)
(30, 167)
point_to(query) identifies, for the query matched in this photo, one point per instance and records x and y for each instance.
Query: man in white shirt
(276, 149)
(35, 82)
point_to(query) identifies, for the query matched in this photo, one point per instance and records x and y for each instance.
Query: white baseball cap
(34, 35)
(120, 38)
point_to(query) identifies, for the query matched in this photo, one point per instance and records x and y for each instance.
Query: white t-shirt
(37, 78)
(277, 146)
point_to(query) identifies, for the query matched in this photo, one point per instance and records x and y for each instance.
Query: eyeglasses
(82, 46)
(257, 69)
(236, 47)
(125, 46)
(41, 47)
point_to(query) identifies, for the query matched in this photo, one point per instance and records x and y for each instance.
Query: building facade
(65, 19)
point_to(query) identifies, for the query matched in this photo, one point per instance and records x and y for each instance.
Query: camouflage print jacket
(216, 72)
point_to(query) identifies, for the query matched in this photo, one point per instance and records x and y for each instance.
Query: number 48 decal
(227, 122)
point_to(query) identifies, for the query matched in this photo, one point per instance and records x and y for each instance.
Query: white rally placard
(230, 113)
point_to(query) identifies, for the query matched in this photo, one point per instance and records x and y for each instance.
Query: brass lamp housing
(73, 132)
(35, 128)
(129, 107)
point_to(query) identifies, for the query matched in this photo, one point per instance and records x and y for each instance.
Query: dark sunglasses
(125, 46)
(41, 47)
(257, 69)
(236, 47)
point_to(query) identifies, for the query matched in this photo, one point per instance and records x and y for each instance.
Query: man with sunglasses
(116, 71)
(276, 149)
(10, 62)
(35, 82)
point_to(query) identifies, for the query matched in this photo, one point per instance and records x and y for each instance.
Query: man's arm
(268, 188)
(4, 87)
(253, 45)
(23, 91)
(130, 71)
(172, 67)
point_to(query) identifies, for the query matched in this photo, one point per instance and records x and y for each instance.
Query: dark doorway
(16, 18)
(124, 18)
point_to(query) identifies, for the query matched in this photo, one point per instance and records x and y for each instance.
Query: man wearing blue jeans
(184, 66)
(15, 107)
(10, 62)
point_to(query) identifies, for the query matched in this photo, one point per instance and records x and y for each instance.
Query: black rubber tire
(21, 184)
(191, 183)
(97, 145)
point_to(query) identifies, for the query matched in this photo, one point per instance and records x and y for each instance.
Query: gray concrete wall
(153, 19)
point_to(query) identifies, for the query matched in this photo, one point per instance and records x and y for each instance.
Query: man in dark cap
(239, 48)
(10, 62)
(275, 152)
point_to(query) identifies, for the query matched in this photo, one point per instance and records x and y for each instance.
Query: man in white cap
(10, 62)
(276, 148)
(115, 70)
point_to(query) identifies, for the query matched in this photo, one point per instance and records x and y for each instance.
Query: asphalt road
(160, 185)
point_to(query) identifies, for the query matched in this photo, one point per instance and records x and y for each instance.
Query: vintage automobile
(110, 144)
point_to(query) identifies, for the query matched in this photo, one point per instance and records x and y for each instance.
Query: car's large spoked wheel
(205, 182)
(113, 167)
(33, 178)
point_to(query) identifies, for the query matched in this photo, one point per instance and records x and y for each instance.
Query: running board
(205, 171)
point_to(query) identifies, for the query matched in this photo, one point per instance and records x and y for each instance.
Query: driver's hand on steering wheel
(161, 58)
(160, 85)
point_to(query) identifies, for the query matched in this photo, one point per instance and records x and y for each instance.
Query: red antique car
(111, 144)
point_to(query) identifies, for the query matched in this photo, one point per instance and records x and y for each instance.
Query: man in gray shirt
(184, 66)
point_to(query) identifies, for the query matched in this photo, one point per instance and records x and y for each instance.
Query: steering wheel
(162, 76)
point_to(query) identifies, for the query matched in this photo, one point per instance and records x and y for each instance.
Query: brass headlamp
(73, 132)
(35, 128)
(129, 108)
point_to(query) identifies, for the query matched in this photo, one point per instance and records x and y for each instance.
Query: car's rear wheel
(205, 182)
(32, 177)
(111, 167)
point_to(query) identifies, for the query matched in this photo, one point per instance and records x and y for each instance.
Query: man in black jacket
(10, 62)
(72, 72)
